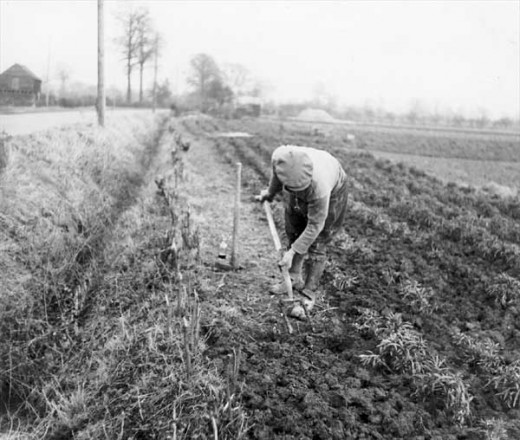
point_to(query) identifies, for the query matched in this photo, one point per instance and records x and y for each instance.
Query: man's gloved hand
(287, 258)
(263, 196)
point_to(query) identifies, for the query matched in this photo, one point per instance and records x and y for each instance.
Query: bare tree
(204, 71)
(128, 42)
(146, 40)
(237, 77)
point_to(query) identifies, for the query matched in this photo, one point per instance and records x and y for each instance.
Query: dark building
(19, 86)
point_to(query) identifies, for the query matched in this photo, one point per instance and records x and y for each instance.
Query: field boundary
(353, 124)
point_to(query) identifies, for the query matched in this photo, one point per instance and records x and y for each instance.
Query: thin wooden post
(236, 218)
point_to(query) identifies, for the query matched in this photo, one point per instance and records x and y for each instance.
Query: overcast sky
(462, 55)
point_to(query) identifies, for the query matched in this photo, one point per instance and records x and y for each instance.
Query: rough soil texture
(293, 386)
(415, 334)
(312, 384)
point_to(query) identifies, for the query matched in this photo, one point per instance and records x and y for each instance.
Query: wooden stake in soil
(236, 218)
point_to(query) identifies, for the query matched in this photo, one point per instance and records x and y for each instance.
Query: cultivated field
(479, 158)
(116, 324)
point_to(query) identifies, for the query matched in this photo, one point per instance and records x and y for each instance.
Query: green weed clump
(505, 290)
(494, 429)
(344, 281)
(506, 381)
(420, 298)
(483, 353)
(502, 376)
(402, 349)
(439, 382)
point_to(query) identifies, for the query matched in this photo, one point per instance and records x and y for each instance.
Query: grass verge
(99, 323)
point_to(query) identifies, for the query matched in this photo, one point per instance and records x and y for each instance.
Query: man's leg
(296, 274)
(315, 268)
(318, 250)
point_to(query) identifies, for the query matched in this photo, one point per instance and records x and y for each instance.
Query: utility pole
(101, 66)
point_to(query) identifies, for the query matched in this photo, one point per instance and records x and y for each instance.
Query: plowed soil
(312, 384)
(415, 335)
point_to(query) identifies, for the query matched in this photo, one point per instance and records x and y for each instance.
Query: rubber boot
(308, 294)
(314, 273)
(296, 277)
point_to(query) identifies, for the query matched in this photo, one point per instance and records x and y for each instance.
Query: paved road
(25, 123)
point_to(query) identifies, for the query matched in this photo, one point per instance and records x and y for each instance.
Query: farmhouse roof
(20, 71)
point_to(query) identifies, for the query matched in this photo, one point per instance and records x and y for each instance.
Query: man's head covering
(293, 167)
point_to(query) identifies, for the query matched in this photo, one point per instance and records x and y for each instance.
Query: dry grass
(56, 191)
(103, 334)
(3, 151)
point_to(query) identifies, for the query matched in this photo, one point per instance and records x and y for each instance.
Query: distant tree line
(214, 89)
(415, 116)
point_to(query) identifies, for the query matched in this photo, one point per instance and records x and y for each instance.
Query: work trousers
(296, 220)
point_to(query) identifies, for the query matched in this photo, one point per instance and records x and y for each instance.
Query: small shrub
(507, 380)
(494, 429)
(484, 352)
(420, 298)
(370, 322)
(401, 348)
(70, 411)
(450, 387)
(362, 249)
(404, 350)
(505, 290)
(345, 281)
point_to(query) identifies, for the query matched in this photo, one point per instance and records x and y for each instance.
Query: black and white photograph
(259, 219)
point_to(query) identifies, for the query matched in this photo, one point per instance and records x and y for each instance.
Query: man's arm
(317, 212)
(275, 186)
